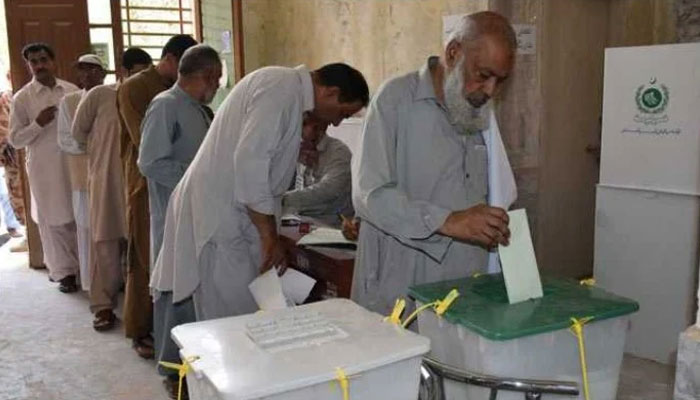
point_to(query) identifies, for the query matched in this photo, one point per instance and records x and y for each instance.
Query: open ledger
(325, 237)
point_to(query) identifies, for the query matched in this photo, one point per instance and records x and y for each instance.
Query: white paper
(267, 291)
(518, 261)
(324, 236)
(296, 285)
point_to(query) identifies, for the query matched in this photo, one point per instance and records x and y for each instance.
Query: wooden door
(63, 24)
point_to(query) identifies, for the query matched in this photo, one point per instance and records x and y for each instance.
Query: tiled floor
(49, 351)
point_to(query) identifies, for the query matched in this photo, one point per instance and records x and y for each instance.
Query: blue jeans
(8, 214)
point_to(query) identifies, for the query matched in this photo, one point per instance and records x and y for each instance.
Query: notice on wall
(651, 118)
(526, 34)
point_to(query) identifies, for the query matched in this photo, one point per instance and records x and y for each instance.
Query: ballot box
(482, 333)
(312, 351)
(332, 267)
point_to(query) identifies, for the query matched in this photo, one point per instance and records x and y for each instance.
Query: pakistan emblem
(652, 100)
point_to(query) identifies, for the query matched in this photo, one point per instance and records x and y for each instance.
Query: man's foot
(20, 247)
(13, 232)
(104, 320)
(171, 384)
(68, 284)
(144, 347)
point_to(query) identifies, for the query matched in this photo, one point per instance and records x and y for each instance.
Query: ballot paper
(325, 236)
(296, 286)
(272, 292)
(518, 261)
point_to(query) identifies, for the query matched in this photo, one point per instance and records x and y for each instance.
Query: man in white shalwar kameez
(420, 178)
(33, 126)
(91, 73)
(221, 222)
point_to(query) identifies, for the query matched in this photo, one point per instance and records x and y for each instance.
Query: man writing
(33, 126)
(133, 98)
(420, 178)
(221, 223)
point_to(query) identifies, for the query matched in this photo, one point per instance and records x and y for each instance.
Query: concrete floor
(49, 351)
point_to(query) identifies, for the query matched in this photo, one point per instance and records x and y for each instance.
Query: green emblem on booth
(652, 98)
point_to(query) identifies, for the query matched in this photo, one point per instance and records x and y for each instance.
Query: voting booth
(325, 350)
(647, 204)
(482, 333)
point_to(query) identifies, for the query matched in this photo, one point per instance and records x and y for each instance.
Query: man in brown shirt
(133, 98)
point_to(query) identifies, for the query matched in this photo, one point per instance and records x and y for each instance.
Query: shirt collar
(322, 144)
(177, 91)
(37, 87)
(425, 89)
(307, 87)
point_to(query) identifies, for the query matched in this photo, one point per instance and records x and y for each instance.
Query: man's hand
(46, 116)
(273, 255)
(483, 225)
(351, 228)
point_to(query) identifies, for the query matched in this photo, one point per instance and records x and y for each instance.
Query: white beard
(466, 117)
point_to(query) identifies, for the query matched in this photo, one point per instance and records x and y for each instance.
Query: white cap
(90, 59)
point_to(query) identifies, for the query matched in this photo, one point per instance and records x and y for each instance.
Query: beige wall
(381, 38)
(548, 112)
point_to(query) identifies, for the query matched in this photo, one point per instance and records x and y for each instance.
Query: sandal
(144, 347)
(104, 320)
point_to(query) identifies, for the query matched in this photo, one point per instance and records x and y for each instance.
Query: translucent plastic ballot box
(534, 339)
(334, 350)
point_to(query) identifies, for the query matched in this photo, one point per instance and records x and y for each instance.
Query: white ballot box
(482, 333)
(302, 353)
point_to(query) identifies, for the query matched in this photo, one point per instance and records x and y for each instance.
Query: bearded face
(469, 112)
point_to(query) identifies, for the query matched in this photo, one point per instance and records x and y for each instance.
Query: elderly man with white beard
(420, 177)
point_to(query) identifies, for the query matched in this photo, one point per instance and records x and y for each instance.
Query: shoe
(20, 247)
(171, 385)
(104, 320)
(68, 284)
(14, 233)
(144, 347)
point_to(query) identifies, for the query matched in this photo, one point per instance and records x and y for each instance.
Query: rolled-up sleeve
(267, 117)
(376, 196)
(155, 152)
(23, 130)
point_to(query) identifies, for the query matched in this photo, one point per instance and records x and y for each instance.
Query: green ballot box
(535, 339)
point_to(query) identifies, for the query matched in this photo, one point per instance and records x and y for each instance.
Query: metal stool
(434, 372)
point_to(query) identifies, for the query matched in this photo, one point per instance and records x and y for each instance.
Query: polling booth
(647, 211)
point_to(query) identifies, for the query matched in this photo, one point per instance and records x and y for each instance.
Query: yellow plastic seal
(182, 371)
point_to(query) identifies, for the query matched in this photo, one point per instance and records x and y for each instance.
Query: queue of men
(143, 171)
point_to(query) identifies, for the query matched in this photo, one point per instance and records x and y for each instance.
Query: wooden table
(331, 267)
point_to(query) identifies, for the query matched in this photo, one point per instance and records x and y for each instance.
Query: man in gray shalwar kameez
(420, 177)
(175, 124)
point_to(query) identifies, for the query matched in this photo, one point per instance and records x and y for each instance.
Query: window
(102, 35)
(149, 24)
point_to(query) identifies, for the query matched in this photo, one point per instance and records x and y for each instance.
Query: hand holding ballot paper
(518, 261)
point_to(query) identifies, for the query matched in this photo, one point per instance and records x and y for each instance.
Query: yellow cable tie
(587, 282)
(443, 305)
(182, 371)
(577, 329)
(476, 274)
(343, 382)
(395, 317)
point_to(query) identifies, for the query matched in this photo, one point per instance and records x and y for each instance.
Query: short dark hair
(135, 55)
(177, 45)
(198, 58)
(350, 81)
(36, 47)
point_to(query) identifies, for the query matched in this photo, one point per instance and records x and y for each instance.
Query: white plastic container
(548, 354)
(381, 360)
